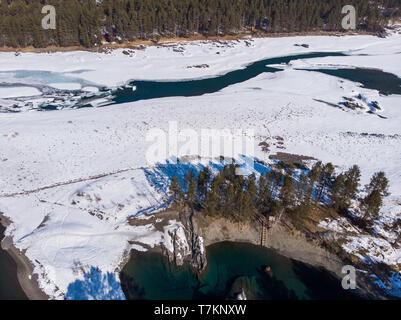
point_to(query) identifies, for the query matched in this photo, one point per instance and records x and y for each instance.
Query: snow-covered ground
(70, 179)
(18, 92)
(171, 62)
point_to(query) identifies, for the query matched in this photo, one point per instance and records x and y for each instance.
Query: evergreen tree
(287, 194)
(337, 192)
(191, 189)
(325, 181)
(345, 188)
(376, 190)
(372, 204)
(203, 183)
(211, 204)
(251, 188)
(264, 199)
(175, 190)
(89, 22)
(314, 175)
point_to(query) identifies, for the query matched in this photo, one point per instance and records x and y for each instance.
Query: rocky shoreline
(201, 231)
(27, 280)
(282, 237)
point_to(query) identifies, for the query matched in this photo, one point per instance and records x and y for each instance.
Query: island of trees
(239, 198)
(89, 22)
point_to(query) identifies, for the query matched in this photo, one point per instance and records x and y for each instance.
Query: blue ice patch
(95, 286)
(392, 286)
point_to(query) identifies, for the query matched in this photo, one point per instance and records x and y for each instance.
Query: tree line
(89, 22)
(238, 197)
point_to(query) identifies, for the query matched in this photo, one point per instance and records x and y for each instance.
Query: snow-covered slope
(70, 179)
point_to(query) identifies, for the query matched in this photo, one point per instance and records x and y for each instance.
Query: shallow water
(160, 89)
(384, 82)
(231, 266)
(10, 288)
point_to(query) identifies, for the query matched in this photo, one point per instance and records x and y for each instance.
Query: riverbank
(180, 40)
(257, 272)
(27, 280)
(285, 116)
(300, 241)
(281, 237)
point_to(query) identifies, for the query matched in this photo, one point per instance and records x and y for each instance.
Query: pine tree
(287, 194)
(211, 204)
(85, 22)
(325, 180)
(251, 188)
(203, 183)
(378, 182)
(337, 192)
(344, 189)
(376, 190)
(314, 175)
(352, 178)
(191, 189)
(230, 199)
(264, 199)
(176, 191)
(302, 189)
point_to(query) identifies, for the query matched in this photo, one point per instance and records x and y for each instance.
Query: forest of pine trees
(89, 22)
(239, 198)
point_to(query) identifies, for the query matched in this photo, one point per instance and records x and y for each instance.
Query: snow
(392, 286)
(96, 286)
(163, 63)
(175, 233)
(90, 89)
(338, 226)
(71, 179)
(66, 86)
(12, 92)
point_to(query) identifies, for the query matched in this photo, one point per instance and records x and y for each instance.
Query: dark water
(10, 288)
(386, 83)
(231, 266)
(160, 89)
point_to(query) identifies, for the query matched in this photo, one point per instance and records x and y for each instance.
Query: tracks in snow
(59, 184)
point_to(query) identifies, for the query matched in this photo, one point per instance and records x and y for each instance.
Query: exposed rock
(382, 34)
(139, 47)
(214, 230)
(348, 99)
(352, 105)
(375, 105)
(264, 146)
(241, 295)
(175, 245)
(268, 271)
(106, 50)
(196, 231)
(199, 66)
(304, 45)
(319, 250)
(198, 261)
(179, 49)
(182, 244)
(128, 52)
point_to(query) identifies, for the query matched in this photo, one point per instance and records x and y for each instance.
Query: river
(10, 288)
(386, 83)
